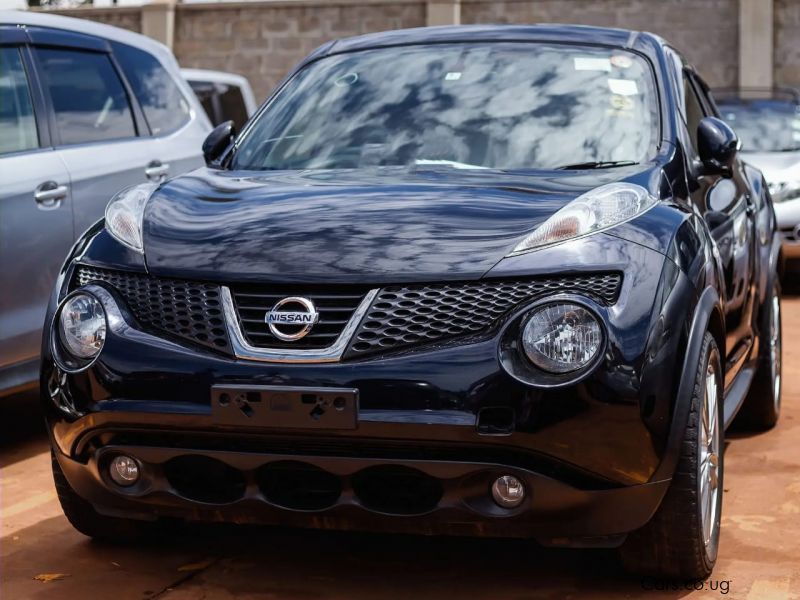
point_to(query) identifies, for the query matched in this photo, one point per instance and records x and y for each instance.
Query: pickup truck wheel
(762, 407)
(682, 539)
(83, 517)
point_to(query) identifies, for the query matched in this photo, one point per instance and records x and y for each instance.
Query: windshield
(763, 125)
(499, 106)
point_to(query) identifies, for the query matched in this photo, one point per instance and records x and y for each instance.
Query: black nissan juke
(491, 280)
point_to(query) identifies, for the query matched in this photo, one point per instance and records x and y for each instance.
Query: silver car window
(17, 121)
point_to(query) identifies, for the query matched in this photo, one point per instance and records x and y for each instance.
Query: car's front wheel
(682, 539)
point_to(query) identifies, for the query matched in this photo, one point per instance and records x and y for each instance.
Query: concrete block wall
(729, 41)
(263, 41)
(687, 24)
(786, 51)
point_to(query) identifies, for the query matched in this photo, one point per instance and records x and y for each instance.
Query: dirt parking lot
(760, 547)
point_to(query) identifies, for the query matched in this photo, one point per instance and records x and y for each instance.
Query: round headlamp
(561, 337)
(82, 326)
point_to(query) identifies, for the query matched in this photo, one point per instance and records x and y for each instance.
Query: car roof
(474, 33)
(109, 32)
(214, 76)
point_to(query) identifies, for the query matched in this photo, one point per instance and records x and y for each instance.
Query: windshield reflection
(500, 106)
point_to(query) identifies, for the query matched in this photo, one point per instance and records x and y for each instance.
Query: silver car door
(36, 229)
(96, 130)
(176, 122)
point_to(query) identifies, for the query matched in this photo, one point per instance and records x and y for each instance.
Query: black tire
(83, 517)
(672, 545)
(762, 407)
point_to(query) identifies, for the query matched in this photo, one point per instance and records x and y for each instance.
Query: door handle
(156, 171)
(49, 195)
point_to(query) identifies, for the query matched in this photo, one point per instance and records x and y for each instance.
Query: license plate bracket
(284, 406)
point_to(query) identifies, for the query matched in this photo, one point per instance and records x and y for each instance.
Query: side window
(233, 107)
(17, 122)
(88, 98)
(206, 93)
(694, 110)
(709, 104)
(164, 106)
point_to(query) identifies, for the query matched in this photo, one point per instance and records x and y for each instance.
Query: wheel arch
(707, 317)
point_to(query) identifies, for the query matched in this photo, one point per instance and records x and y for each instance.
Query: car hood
(349, 226)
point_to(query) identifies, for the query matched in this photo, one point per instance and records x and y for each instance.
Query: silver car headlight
(594, 211)
(82, 326)
(561, 337)
(125, 212)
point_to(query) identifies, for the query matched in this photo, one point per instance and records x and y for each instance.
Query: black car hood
(348, 226)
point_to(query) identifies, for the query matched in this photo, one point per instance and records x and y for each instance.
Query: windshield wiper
(598, 164)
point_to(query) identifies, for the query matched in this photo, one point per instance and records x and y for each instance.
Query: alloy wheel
(775, 351)
(709, 458)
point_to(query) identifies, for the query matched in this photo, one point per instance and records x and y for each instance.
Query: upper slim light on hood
(125, 212)
(597, 210)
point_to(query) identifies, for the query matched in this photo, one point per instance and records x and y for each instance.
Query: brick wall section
(129, 18)
(786, 53)
(705, 31)
(263, 42)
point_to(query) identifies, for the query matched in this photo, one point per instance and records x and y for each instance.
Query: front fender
(707, 311)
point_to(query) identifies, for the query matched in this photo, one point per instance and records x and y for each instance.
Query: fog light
(508, 491)
(124, 470)
(562, 337)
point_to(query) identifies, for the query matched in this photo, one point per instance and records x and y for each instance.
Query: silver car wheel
(709, 458)
(775, 351)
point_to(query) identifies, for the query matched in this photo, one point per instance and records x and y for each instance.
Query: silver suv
(768, 123)
(85, 110)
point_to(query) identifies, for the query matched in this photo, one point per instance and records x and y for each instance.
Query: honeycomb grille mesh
(410, 315)
(400, 317)
(185, 309)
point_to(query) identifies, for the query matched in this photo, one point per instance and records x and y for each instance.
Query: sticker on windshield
(452, 76)
(346, 80)
(621, 61)
(623, 87)
(588, 63)
(621, 102)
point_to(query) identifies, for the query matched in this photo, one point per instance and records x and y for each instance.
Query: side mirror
(717, 144)
(217, 141)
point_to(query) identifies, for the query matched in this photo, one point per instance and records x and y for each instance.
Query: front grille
(400, 317)
(335, 305)
(410, 315)
(185, 309)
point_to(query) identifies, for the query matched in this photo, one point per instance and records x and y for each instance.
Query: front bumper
(591, 455)
(432, 497)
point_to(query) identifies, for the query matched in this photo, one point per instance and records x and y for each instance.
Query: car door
(36, 229)
(177, 130)
(96, 127)
(729, 212)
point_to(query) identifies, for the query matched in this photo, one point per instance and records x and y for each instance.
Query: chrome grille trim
(333, 353)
